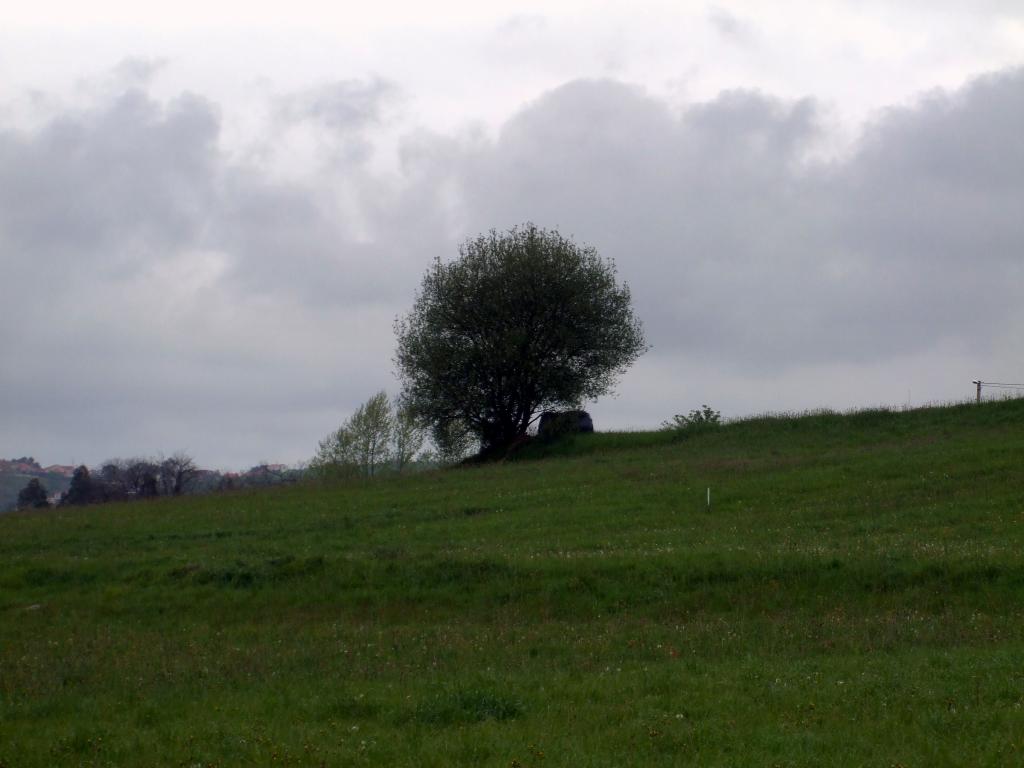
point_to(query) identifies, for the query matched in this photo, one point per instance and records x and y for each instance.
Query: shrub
(697, 420)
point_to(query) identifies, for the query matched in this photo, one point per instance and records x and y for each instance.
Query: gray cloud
(162, 294)
(137, 72)
(108, 184)
(343, 105)
(730, 27)
(520, 24)
(741, 248)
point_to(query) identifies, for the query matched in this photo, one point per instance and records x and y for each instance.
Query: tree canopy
(381, 434)
(521, 321)
(33, 495)
(82, 489)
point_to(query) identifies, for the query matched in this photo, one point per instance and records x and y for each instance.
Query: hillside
(854, 596)
(15, 474)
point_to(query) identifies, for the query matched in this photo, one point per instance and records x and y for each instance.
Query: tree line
(118, 480)
(149, 478)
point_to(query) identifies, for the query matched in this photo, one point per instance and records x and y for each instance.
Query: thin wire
(998, 384)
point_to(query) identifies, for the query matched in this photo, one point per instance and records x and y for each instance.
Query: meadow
(854, 596)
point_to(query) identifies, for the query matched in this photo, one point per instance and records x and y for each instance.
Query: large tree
(82, 489)
(176, 473)
(138, 477)
(522, 321)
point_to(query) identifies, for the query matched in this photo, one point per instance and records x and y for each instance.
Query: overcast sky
(209, 221)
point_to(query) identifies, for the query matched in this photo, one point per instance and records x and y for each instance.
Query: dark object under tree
(555, 424)
(523, 321)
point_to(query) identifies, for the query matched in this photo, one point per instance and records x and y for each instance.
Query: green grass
(854, 597)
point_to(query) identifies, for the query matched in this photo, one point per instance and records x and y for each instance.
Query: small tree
(177, 473)
(335, 455)
(81, 491)
(408, 436)
(522, 321)
(703, 418)
(372, 426)
(110, 483)
(141, 477)
(33, 496)
(362, 444)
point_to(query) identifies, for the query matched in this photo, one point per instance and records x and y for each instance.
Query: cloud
(742, 249)
(343, 105)
(520, 24)
(137, 72)
(166, 294)
(731, 27)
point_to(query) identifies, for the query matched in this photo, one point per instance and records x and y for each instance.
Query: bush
(554, 425)
(697, 420)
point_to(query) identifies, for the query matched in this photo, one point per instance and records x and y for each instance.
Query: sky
(210, 219)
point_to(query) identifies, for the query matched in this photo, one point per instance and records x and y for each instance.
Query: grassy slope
(853, 598)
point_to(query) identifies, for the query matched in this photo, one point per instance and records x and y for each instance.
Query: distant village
(56, 479)
(27, 465)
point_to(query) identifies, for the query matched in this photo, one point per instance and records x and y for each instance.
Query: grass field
(854, 597)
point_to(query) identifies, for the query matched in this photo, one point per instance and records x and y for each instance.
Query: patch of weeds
(941, 578)
(349, 709)
(147, 716)
(466, 706)
(240, 578)
(43, 577)
(185, 570)
(583, 583)
(71, 679)
(80, 742)
(712, 577)
(465, 571)
(286, 568)
(698, 420)
(245, 576)
(474, 511)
